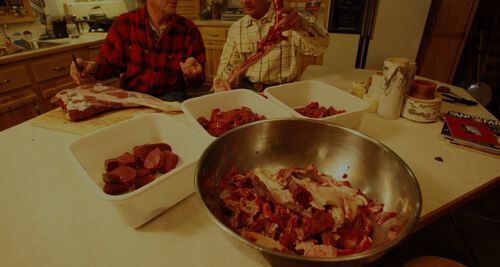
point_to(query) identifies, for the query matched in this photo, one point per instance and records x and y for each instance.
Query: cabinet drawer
(94, 51)
(54, 66)
(18, 111)
(13, 77)
(213, 33)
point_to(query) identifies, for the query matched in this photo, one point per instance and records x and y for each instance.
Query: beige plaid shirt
(281, 65)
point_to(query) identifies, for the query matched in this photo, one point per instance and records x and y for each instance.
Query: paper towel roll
(377, 84)
(394, 88)
(372, 100)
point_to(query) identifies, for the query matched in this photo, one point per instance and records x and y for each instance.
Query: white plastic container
(137, 207)
(202, 106)
(299, 94)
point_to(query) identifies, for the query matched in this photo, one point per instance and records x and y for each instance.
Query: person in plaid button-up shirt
(155, 50)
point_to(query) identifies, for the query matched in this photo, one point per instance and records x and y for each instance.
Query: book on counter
(472, 132)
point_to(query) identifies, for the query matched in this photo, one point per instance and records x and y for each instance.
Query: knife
(455, 99)
(78, 66)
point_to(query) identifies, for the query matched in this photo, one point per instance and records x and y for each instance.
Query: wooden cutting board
(56, 120)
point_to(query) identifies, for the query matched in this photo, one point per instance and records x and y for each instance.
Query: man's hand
(291, 20)
(191, 68)
(87, 67)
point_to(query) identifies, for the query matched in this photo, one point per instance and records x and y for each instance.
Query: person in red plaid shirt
(156, 51)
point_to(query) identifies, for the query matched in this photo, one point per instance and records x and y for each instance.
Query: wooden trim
(470, 19)
(457, 203)
(30, 15)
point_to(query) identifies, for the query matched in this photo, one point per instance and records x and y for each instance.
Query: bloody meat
(132, 171)
(314, 110)
(300, 211)
(223, 121)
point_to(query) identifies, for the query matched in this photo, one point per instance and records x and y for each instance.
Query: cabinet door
(445, 34)
(18, 111)
(18, 100)
(214, 39)
(94, 51)
(189, 9)
(55, 65)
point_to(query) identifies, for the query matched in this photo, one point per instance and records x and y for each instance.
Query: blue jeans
(174, 96)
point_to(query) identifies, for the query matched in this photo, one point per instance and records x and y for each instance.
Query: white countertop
(50, 216)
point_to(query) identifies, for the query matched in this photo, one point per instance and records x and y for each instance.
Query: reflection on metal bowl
(376, 170)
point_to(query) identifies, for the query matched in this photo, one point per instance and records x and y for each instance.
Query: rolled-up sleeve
(231, 57)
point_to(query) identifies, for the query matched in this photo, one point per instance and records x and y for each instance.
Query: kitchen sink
(43, 44)
(31, 46)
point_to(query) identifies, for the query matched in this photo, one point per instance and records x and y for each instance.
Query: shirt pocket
(136, 53)
(247, 49)
(173, 63)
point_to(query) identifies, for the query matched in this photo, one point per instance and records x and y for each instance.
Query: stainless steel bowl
(375, 169)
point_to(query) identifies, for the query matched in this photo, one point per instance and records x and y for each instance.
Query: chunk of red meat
(121, 174)
(221, 122)
(115, 189)
(141, 172)
(126, 159)
(300, 194)
(288, 240)
(314, 110)
(169, 162)
(140, 152)
(142, 181)
(154, 160)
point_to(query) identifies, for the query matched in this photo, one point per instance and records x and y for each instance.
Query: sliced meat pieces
(132, 171)
(223, 121)
(314, 110)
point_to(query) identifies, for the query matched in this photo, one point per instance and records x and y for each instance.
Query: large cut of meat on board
(273, 37)
(85, 101)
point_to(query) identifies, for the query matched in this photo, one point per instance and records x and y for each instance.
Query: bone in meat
(273, 37)
(85, 101)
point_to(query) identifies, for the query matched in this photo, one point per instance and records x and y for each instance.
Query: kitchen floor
(470, 235)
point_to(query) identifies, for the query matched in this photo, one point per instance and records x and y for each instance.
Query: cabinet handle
(59, 68)
(213, 35)
(37, 108)
(6, 81)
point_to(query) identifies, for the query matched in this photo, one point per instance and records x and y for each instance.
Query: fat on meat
(85, 101)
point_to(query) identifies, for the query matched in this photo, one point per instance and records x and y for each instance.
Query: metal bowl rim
(357, 256)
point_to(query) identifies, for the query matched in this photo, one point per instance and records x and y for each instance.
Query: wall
(398, 29)
(55, 8)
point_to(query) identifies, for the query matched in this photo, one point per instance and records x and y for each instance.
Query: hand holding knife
(82, 71)
(78, 66)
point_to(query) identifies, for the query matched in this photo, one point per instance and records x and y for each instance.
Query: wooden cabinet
(27, 86)
(19, 101)
(445, 34)
(189, 9)
(51, 74)
(93, 51)
(214, 38)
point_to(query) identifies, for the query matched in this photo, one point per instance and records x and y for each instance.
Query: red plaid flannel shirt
(150, 64)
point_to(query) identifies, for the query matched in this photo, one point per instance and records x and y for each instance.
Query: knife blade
(78, 66)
